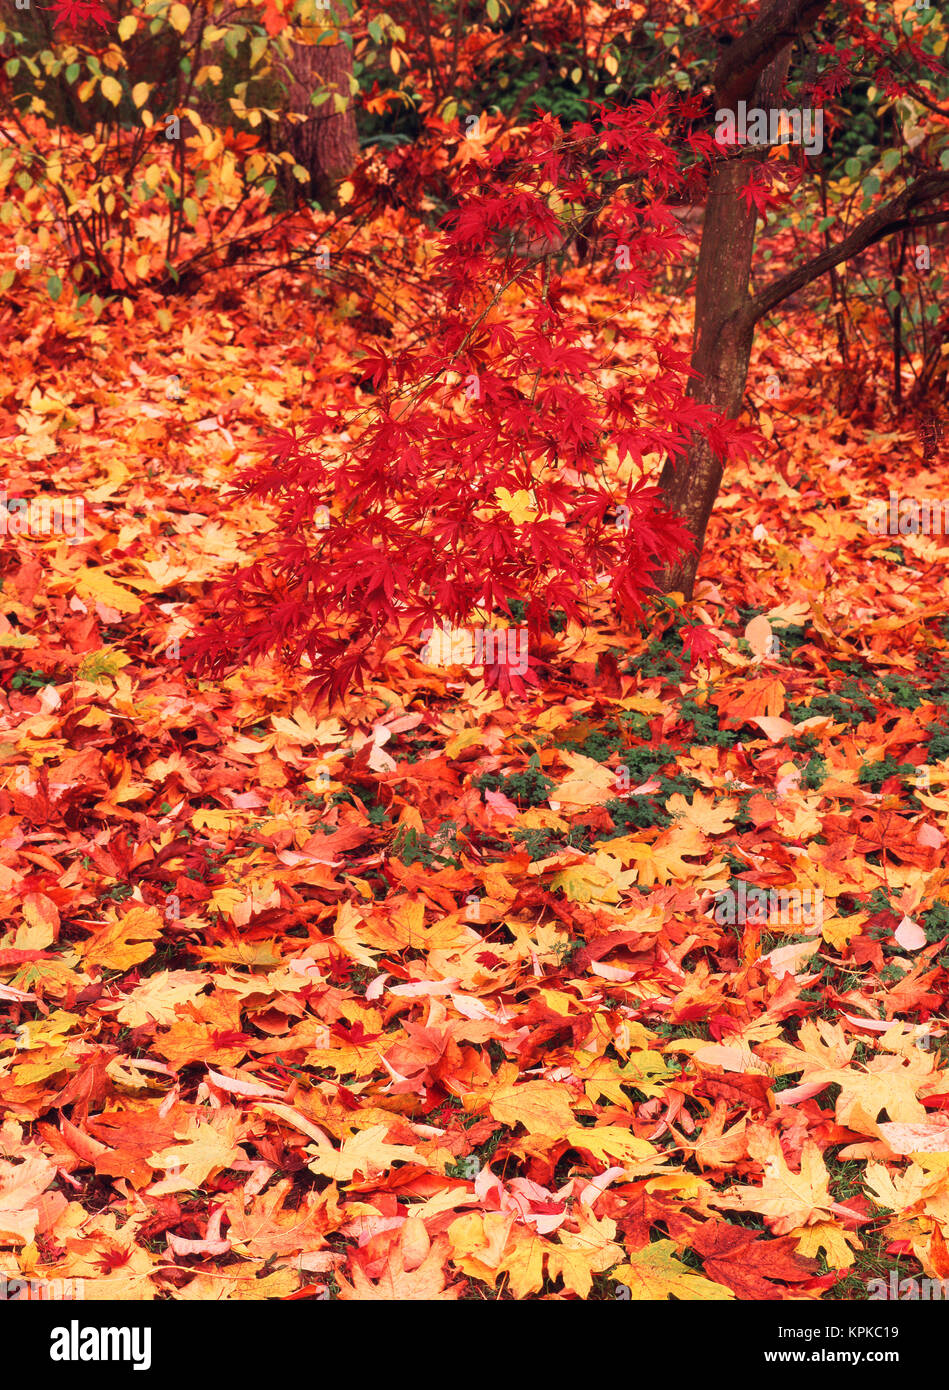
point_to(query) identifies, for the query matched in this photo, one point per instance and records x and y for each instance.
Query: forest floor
(427, 996)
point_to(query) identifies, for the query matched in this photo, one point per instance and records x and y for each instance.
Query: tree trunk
(754, 68)
(325, 144)
(722, 338)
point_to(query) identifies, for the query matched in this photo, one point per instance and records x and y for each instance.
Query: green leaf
(191, 211)
(852, 168)
(72, 72)
(55, 286)
(12, 67)
(893, 298)
(493, 10)
(890, 161)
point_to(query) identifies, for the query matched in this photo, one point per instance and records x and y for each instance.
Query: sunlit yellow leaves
(662, 861)
(112, 90)
(520, 506)
(156, 999)
(205, 1149)
(836, 1242)
(95, 583)
(704, 813)
(785, 1199)
(542, 1107)
(179, 17)
(589, 783)
(598, 878)
(367, 1153)
(656, 1272)
(611, 1143)
(140, 93)
(123, 942)
(577, 1255)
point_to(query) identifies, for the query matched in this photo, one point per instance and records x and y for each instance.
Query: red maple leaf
(698, 643)
(74, 12)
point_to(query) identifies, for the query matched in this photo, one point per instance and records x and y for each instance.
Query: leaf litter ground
(429, 997)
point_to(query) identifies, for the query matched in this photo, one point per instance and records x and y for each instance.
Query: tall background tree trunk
(326, 144)
(722, 340)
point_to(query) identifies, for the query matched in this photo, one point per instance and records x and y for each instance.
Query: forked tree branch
(891, 217)
(745, 60)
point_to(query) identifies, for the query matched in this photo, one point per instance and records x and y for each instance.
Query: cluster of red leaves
(478, 474)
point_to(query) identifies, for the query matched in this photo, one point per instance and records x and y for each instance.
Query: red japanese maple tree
(476, 475)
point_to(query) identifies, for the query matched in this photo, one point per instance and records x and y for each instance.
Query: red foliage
(485, 468)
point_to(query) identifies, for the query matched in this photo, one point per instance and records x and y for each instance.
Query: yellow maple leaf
(607, 1142)
(124, 942)
(93, 582)
(542, 1107)
(655, 1273)
(206, 1149)
(155, 999)
(523, 1262)
(785, 1199)
(589, 783)
(577, 1256)
(520, 506)
(703, 814)
(834, 1240)
(599, 878)
(661, 861)
(366, 1152)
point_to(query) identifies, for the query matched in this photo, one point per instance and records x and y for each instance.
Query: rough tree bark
(721, 347)
(325, 144)
(753, 69)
